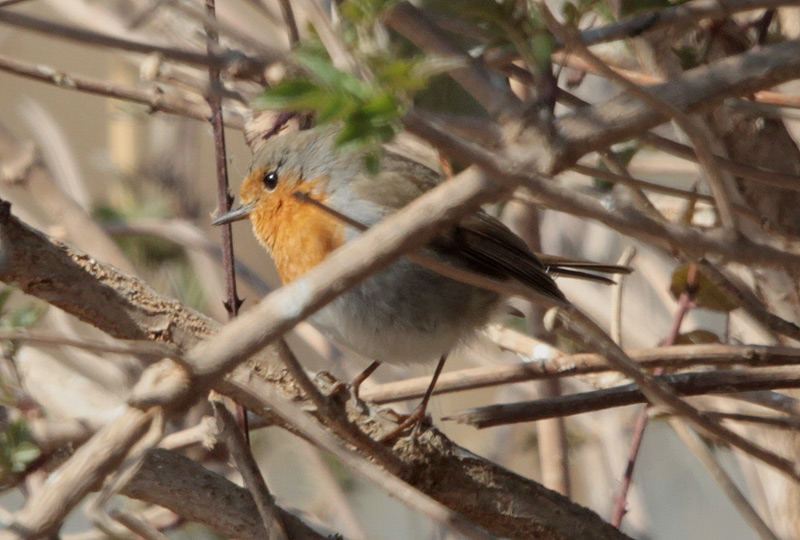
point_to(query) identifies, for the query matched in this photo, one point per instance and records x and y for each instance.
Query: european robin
(406, 313)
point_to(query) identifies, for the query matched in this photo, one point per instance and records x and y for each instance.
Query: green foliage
(369, 111)
(16, 449)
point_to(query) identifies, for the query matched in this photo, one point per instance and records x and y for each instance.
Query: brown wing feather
(485, 245)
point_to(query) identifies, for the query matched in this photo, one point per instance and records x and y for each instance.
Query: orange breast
(298, 234)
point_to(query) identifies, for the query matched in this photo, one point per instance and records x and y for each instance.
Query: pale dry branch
(675, 357)
(227, 60)
(190, 490)
(83, 472)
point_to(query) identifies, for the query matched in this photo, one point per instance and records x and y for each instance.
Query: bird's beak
(236, 214)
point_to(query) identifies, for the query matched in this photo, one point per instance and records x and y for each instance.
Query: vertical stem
(224, 198)
(685, 305)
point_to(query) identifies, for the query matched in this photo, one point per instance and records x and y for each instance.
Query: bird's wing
(480, 242)
(483, 244)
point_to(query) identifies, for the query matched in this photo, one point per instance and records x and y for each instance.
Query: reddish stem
(685, 305)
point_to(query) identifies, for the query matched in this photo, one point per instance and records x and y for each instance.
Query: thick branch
(597, 127)
(176, 482)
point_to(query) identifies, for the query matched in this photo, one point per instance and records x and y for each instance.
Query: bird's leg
(416, 417)
(355, 384)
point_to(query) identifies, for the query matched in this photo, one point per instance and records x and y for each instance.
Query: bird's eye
(271, 180)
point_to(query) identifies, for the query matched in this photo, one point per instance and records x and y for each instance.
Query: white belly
(406, 314)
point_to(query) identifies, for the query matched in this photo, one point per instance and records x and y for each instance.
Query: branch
(190, 490)
(675, 357)
(687, 13)
(699, 89)
(155, 98)
(685, 384)
(230, 59)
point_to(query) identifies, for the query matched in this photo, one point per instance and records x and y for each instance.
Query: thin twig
(411, 22)
(704, 455)
(239, 448)
(224, 198)
(155, 98)
(334, 415)
(695, 129)
(150, 351)
(628, 180)
(235, 59)
(616, 304)
(674, 358)
(685, 13)
(756, 174)
(316, 432)
(45, 508)
(289, 20)
(685, 305)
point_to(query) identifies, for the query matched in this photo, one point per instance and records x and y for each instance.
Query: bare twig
(289, 20)
(227, 60)
(674, 358)
(154, 98)
(333, 414)
(685, 384)
(616, 305)
(657, 188)
(150, 351)
(685, 305)
(704, 455)
(688, 12)
(239, 449)
(485, 86)
(73, 480)
(224, 198)
(695, 129)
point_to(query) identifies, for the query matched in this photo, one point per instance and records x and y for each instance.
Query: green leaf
(292, 94)
(706, 294)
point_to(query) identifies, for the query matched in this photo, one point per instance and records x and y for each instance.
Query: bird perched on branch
(305, 197)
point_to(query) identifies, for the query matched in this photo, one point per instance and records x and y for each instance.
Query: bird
(305, 195)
